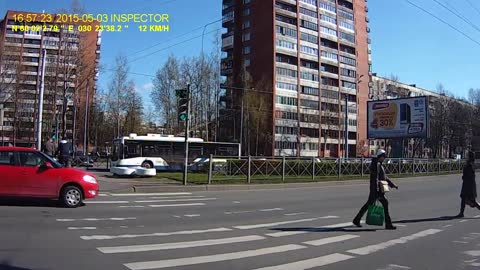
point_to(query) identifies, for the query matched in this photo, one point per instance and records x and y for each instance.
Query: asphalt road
(291, 229)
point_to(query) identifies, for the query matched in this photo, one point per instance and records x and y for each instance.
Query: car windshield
(54, 163)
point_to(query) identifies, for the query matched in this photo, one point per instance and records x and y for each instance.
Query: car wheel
(71, 197)
(147, 165)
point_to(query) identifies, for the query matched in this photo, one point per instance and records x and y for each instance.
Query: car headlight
(89, 179)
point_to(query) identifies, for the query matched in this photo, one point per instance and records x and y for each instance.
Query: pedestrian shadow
(7, 266)
(20, 202)
(323, 229)
(444, 218)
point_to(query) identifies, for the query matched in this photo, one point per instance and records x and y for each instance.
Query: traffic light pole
(187, 120)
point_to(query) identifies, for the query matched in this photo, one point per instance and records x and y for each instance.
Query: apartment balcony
(228, 18)
(292, 2)
(226, 66)
(309, 125)
(291, 52)
(284, 12)
(330, 75)
(227, 42)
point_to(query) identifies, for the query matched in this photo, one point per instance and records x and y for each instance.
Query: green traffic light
(182, 116)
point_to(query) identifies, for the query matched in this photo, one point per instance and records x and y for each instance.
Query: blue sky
(405, 41)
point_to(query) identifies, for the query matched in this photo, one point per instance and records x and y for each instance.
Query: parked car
(28, 173)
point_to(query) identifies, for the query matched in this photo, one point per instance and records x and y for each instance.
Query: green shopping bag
(375, 214)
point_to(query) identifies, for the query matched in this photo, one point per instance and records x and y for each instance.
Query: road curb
(141, 188)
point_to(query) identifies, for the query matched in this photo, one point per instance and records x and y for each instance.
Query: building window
(328, 7)
(347, 60)
(286, 100)
(329, 68)
(347, 49)
(349, 85)
(309, 50)
(247, 62)
(286, 31)
(309, 76)
(286, 130)
(311, 104)
(347, 25)
(246, 1)
(287, 86)
(310, 132)
(348, 37)
(286, 72)
(246, 12)
(246, 24)
(329, 81)
(310, 118)
(281, 58)
(309, 25)
(286, 44)
(330, 55)
(348, 73)
(308, 38)
(246, 37)
(328, 19)
(286, 115)
(309, 12)
(310, 90)
(345, 14)
(247, 50)
(311, 2)
(309, 64)
(328, 43)
(328, 31)
(284, 19)
(330, 94)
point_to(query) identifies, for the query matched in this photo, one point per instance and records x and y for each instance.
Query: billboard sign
(397, 118)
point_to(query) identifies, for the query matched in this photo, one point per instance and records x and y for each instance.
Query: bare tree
(117, 90)
(133, 110)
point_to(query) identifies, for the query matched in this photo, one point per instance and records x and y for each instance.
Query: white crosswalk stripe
(110, 237)
(149, 194)
(310, 263)
(175, 205)
(179, 245)
(211, 258)
(176, 200)
(256, 226)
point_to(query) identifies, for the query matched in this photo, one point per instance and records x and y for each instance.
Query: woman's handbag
(384, 187)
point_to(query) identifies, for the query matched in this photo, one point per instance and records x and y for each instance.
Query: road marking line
(473, 253)
(289, 233)
(239, 212)
(460, 242)
(176, 205)
(329, 240)
(236, 202)
(94, 219)
(255, 226)
(177, 197)
(374, 248)
(152, 194)
(211, 258)
(446, 226)
(463, 221)
(106, 202)
(82, 228)
(123, 236)
(131, 206)
(311, 263)
(400, 225)
(103, 195)
(179, 200)
(179, 245)
(192, 215)
(395, 267)
(272, 209)
(295, 214)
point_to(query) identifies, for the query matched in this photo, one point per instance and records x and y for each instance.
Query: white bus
(166, 152)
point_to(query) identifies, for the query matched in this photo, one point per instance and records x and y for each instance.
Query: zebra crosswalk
(220, 246)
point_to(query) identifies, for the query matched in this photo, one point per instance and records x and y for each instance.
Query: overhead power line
(458, 15)
(443, 21)
(473, 6)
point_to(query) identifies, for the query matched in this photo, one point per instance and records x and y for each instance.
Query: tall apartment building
(308, 60)
(72, 58)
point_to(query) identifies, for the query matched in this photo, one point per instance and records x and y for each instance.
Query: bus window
(132, 150)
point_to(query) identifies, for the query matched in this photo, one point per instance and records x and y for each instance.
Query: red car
(26, 172)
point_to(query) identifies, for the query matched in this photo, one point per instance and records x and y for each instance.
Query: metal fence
(281, 169)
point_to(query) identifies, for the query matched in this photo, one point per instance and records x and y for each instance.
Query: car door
(11, 179)
(39, 181)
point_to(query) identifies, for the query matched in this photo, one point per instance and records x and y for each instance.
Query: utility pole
(346, 126)
(40, 103)
(85, 122)
(185, 167)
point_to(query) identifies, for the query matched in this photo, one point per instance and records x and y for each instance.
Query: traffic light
(183, 100)
(54, 132)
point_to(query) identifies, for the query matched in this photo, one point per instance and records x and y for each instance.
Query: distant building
(384, 88)
(306, 59)
(71, 67)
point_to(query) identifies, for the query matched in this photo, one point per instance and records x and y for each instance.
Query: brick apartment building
(302, 60)
(71, 67)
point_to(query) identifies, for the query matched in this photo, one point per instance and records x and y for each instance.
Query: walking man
(377, 173)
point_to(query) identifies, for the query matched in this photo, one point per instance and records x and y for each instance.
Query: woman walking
(377, 173)
(469, 186)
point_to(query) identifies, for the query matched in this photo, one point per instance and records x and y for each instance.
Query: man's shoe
(390, 227)
(357, 223)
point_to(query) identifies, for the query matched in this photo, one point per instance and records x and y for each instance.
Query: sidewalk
(125, 185)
